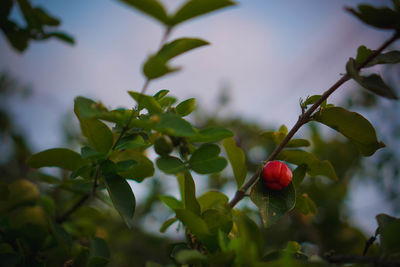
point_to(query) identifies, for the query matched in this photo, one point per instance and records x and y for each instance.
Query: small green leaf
(167, 224)
(62, 37)
(315, 166)
(151, 8)
(146, 101)
(56, 157)
(212, 134)
(390, 237)
(190, 256)
(99, 253)
(237, 159)
(217, 220)
(186, 107)
(157, 66)
(189, 190)
(379, 17)
(352, 125)
(206, 159)
(298, 143)
(120, 192)
(305, 204)
(391, 57)
(298, 175)
(195, 8)
(170, 165)
(125, 165)
(160, 94)
(312, 99)
(172, 124)
(272, 204)
(138, 172)
(362, 54)
(383, 221)
(212, 200)
(171, 202)
(131, 142)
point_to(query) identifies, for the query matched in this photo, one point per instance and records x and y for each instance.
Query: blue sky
(270, 53)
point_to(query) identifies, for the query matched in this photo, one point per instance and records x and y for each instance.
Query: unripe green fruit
(27, 215)
(163, 145)
(22, 191)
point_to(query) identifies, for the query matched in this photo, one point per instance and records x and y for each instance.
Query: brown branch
(375, 261)
(304, 118)
(368, 243)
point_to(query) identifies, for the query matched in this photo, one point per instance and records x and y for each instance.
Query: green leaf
(167, 224)
(189, 198)
(352, 125)
(62, 37)
(305, 204)
(120, 192)
(170, 165)
(298, 175)
(379, 17)
(172, 124)
(237, 159)
(212, 134)
(373, 82)
(157, 65)
(131, 142)
(272, 204)
(315, 166)
(98, 134)
(160, 94)
(212, 200)
(383, 221)
(195, 8)
(56, 157)
(139, 172)
(171, 202)
(186, 107)
(391, 57)
(390, 238)
(147, 102)
(99, 253)
(278, 136)
(362, 54)
(312, 99)
(151, 8)
(298, 143)
(217, 220)
(206, 159)
(190, 256)
(125, 165)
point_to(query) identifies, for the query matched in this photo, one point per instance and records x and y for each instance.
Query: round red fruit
(276, 175)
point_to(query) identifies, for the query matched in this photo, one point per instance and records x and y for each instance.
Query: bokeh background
(264, 56)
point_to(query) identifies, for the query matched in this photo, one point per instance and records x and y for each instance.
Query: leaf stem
(304, 118)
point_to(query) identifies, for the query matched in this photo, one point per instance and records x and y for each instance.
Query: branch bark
(304, 118)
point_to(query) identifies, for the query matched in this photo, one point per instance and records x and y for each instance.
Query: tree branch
(376, 261)
(304, 118)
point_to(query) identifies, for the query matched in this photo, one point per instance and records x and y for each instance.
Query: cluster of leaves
(39, 24)
(216, 233)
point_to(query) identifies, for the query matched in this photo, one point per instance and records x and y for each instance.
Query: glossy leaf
(189, 192)
(212, 134)
(170, 165)
(172, 124)
(298, 143)
(315, 166)
(272, 204)
(99, 253)
(157, 66)
(146, 101)
(305, 204)
(171, 202)
(362, 54)
(212, 200)
(206, 159)
(167, 224)
(352, 125)
(237, 160)
(186, 107)
(151, 8)
(195, 8)
(390, 237)
(298, 175)
(56, 157)
(131, 142)
(312, 99)
(373, 82)
(190, 256)
(120, 192)
(380, 17)
(160, 94)
(217, 220)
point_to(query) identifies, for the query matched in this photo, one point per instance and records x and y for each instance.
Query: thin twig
(144, 88)
(82, 200)
(304, 118)
(368, 243)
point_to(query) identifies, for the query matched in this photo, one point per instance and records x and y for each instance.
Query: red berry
(276, 175)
